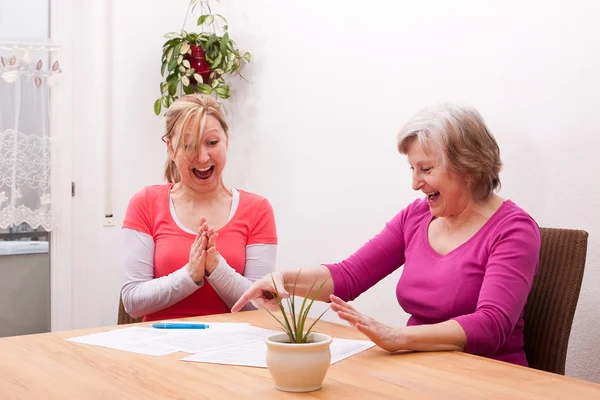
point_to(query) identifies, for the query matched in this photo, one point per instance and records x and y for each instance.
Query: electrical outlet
(109, 220)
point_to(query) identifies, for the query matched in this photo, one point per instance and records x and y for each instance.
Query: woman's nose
(202, 155)
(417, 182)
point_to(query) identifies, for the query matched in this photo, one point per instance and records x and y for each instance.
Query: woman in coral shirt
(193, 244)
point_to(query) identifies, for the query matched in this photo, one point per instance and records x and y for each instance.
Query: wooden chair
(124, 318)
(551, 304)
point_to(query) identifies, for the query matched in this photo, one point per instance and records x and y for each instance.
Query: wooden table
(45, 366)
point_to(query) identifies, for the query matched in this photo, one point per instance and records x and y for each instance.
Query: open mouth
(433, 196)
(203, 173)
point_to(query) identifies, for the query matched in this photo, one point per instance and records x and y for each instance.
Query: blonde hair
(466, 144)
(189, 111)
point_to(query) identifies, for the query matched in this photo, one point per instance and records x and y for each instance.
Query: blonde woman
(193, 245)
(469, 256)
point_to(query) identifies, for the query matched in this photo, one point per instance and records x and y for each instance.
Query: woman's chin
(203, 185)
(435, 210)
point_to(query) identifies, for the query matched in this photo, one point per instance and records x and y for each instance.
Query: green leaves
(185, 47)
(211, 40)
(172, 81)
(172, 64)
(206, 19)
(294, 321)
(170, 54)
(217, 61)
(224, 42)
(220, 52)
(222, 91)
(204, 88)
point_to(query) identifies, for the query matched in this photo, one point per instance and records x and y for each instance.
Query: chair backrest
(551, 304)
(124, 318)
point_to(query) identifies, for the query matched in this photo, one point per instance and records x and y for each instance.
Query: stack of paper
(222, 343)
(254, 354)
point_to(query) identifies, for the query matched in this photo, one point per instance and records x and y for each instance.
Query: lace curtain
(26, 76)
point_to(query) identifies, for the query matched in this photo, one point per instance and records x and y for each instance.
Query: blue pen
(179, 326)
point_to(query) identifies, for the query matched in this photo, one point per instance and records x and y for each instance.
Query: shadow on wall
(241, 113)
(523, 173)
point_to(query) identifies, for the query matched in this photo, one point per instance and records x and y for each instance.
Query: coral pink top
(149, 213)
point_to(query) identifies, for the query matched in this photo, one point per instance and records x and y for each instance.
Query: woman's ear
(468, 181)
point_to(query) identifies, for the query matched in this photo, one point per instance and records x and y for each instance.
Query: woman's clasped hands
(204, 257)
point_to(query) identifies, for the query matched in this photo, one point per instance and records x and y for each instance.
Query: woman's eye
(426, 169)
(213, 142)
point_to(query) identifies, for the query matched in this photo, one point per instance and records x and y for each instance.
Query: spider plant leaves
(288, 328)
(293, 321)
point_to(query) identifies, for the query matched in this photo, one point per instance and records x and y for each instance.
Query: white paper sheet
(202, 340)
(254, 354)
(134, 339)
(251, 354)
(159, 342)
(221, 343)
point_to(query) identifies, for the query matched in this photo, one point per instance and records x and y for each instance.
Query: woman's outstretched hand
(387, 337)
(262, 293)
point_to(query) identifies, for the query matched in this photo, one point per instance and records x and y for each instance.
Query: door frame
(61, 14)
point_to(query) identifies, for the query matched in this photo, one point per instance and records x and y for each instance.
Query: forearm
(142, 293)
(308, 278)
(230, 285)
(145, 297)
(445, 336)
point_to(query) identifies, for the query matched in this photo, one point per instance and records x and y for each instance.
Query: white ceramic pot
(298, 367)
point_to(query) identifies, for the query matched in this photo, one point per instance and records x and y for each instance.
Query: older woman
(469, 256)
(193, 245)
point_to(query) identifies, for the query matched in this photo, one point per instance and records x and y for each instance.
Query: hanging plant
(199, 62)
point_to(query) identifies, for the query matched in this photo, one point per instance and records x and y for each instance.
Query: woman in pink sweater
(469, 256)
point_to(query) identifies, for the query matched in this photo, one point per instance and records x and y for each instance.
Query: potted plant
(298, 358)
(198, 62)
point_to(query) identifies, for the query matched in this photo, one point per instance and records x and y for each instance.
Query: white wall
(315, 132)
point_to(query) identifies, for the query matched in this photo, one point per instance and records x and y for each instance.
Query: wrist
(288, 278)
(196, 277)
(209, 269)
(403, 338)
(288, 281)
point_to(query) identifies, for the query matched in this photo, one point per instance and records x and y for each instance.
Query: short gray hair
(466, 144)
